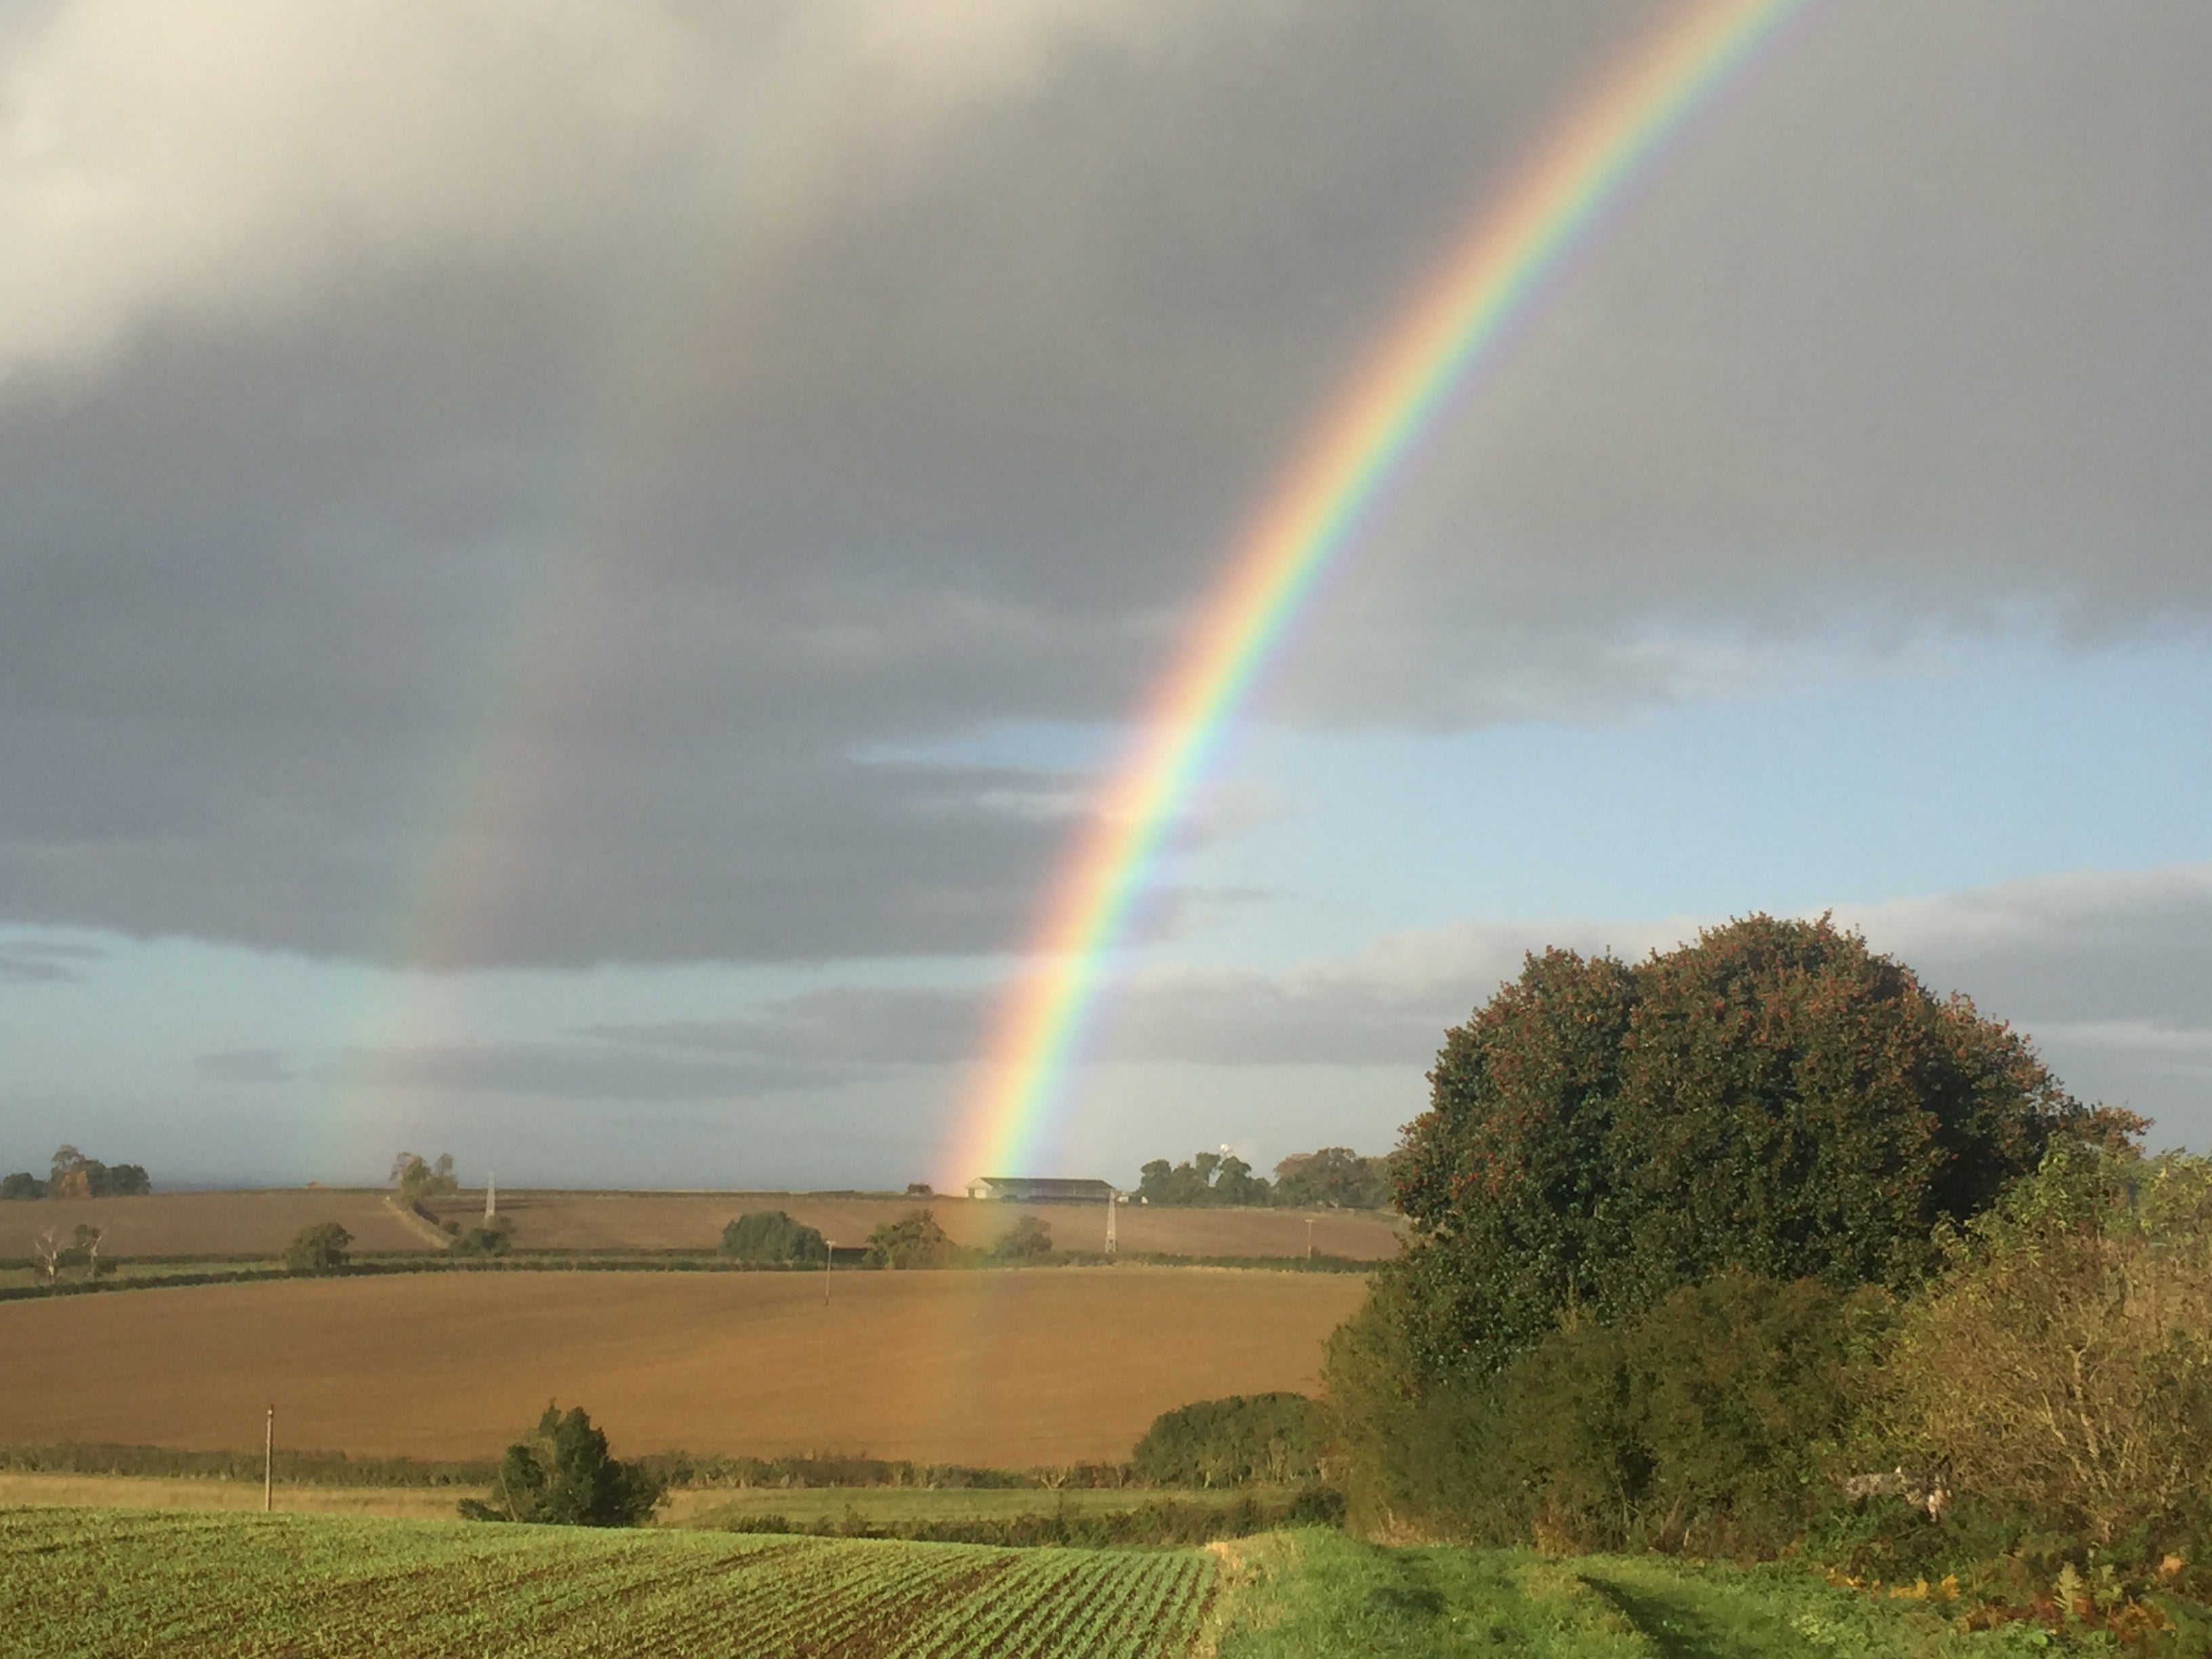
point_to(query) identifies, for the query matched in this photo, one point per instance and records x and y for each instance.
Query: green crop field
(76, 1583)
(90, 1584)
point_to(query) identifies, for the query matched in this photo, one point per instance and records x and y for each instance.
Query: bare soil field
(261, 1223)
(1010, 1368)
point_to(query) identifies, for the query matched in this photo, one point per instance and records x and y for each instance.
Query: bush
(22, 1184)
(561, 1475)
(2063, 1362)
(1725, 1412)
(771, 1236)
(1025, 1241)
(1272, 1439)
(494, 1237)
(914, 1240)
(320, 1249)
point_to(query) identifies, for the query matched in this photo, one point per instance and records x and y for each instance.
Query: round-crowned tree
(1775, 1098)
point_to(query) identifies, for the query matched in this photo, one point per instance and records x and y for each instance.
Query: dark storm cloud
(520, 531)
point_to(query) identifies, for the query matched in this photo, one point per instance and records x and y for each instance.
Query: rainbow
(1455, 328)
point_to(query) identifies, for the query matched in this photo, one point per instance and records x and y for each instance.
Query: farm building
(1040, 1189)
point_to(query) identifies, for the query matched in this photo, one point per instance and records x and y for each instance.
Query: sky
(572, 574)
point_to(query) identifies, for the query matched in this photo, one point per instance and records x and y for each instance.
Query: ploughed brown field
(248, 1222)
(1009, 1368)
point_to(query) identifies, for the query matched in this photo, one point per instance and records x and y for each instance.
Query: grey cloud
(566, 1071)
(248, 1066)
(516, 570)
(45, 961)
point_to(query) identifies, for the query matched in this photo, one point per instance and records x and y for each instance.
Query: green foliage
(1208, 1178)
(1335, 1177)
(320, 1249)
(2064, 1364)
(561, 1475)
(772, 1238)
(418, 1179)
(1027, 1240)
(493, 1237)
(1717, 1419)
(22, 1184)
(1262, 1439)
(1775, 1098)
(914, 1240)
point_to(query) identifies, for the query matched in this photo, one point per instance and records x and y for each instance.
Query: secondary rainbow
(1456, 327)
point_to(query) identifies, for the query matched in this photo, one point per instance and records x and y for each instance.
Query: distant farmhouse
(1040, 1189)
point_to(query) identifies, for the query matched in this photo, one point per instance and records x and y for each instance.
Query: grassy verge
(1318, 1594)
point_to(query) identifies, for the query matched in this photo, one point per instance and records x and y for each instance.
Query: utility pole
(269, 1462)
(491, 1196)
(829, 1256)
(1112, 1199)
(1309, 1222)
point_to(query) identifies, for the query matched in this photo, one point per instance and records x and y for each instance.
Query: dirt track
(1046, 1365)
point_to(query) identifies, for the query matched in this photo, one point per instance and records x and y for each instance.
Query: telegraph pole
(1112, 1199)
(829, 1256)
(269, 1462)
(1309, 1222)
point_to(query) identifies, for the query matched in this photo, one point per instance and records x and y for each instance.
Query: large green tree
(1775, 1098)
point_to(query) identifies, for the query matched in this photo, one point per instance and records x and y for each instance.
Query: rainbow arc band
(1429, 360)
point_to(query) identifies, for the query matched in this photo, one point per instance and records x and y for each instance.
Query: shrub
(320, 1249)
(772, 1238)
(1273, 1439)
(1025, 1241)
(494, 1237)
(914, 1240)
(2064, 1361)
(1724, 1412)
(22, 1184)
(561, 1475)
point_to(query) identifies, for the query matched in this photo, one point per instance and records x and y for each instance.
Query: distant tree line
(770, 1238)
(1335, 1177)
(75, 1175)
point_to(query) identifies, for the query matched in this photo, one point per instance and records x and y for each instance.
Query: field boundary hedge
(568, 1260)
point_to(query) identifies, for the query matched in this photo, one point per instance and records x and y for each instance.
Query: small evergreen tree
(561, 1475)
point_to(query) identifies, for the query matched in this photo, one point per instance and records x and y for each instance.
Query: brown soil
(1008, 1368)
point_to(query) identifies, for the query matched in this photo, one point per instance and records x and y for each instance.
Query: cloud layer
(478, 482)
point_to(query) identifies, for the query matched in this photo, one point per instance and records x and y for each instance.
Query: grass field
(1009, 1370)
(708, 1507)
(76, 1583)
(259, 1224)
(1315, 1595)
